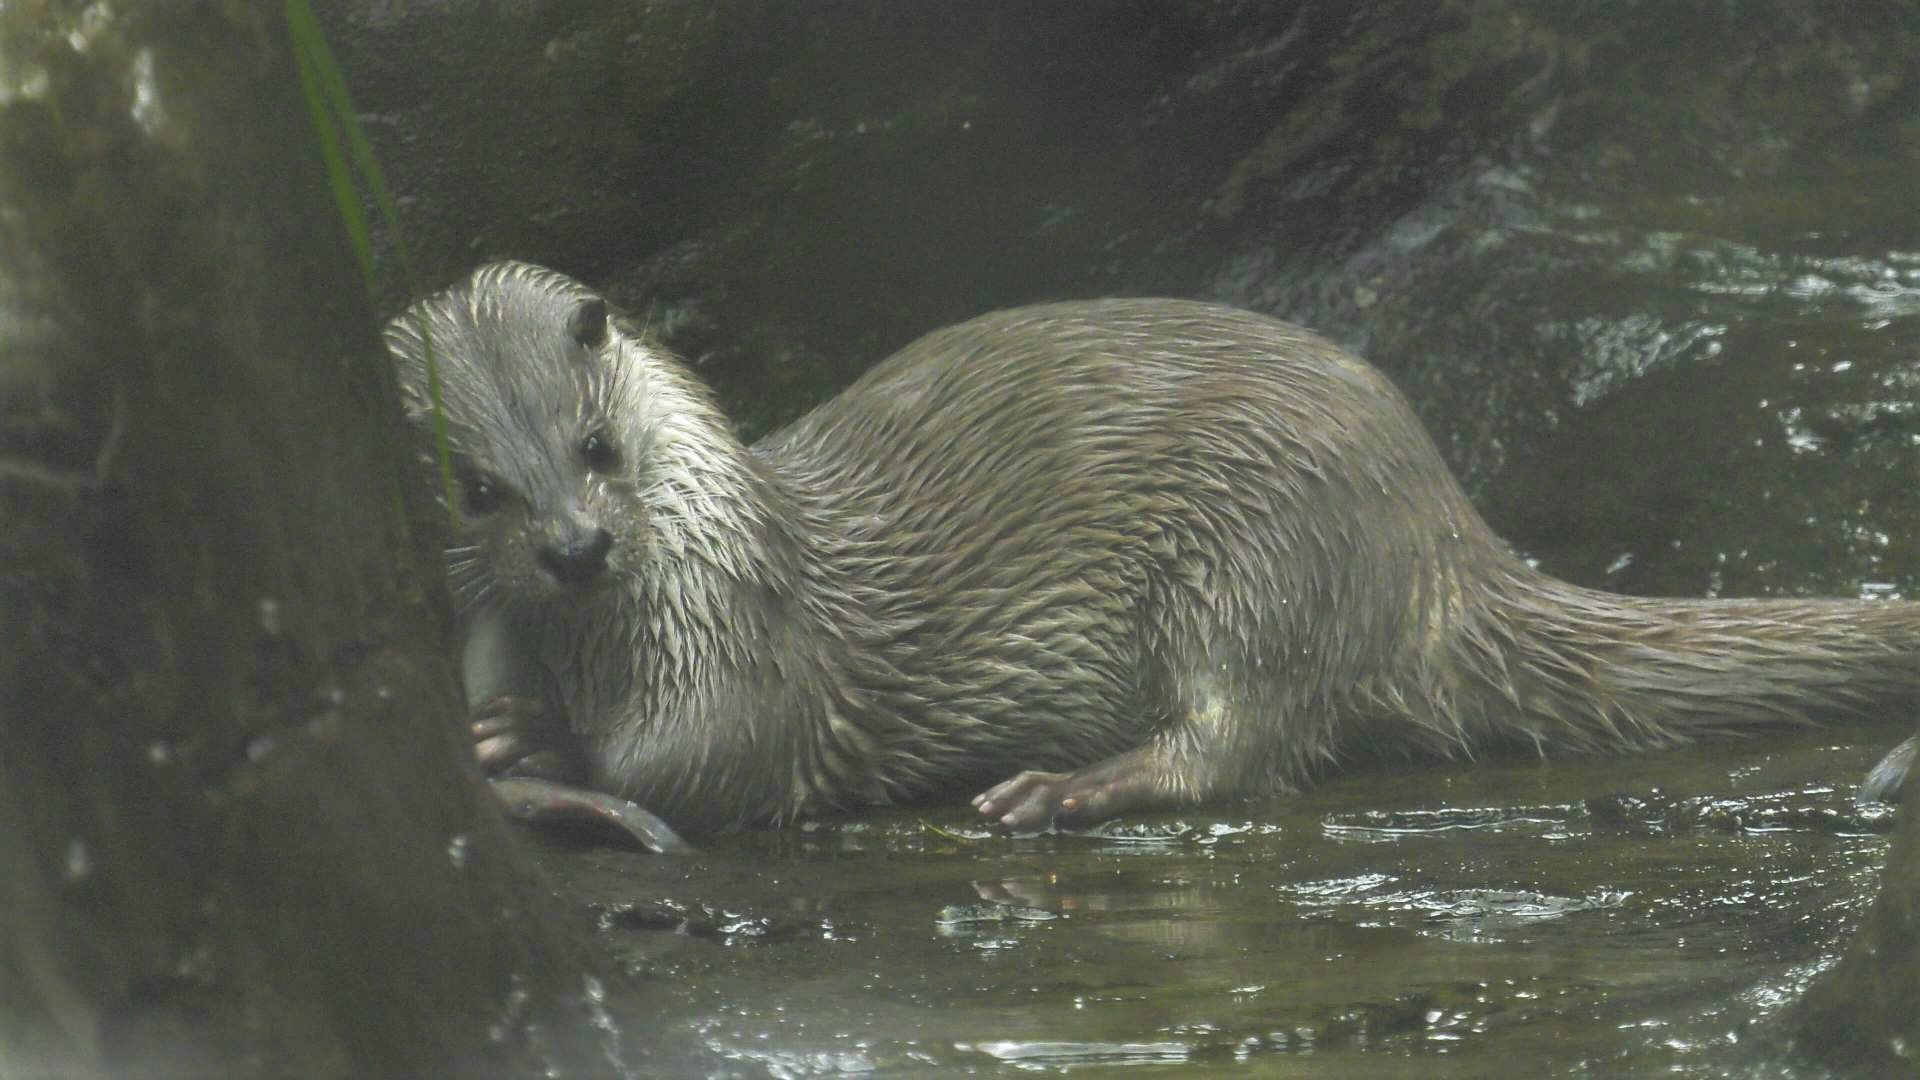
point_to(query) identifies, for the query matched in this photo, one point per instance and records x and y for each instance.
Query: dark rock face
(1569, 235)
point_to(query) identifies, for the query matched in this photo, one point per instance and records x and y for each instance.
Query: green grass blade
(337, 125)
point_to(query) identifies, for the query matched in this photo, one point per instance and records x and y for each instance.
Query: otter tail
(1569, 668)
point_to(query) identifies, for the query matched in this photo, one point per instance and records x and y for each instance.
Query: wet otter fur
(1106, 555)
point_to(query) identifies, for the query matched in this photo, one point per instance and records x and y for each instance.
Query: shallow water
(1589, 917)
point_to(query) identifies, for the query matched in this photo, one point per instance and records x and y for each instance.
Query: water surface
(1589, 917)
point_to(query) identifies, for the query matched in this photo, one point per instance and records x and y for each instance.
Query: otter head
(565, 430)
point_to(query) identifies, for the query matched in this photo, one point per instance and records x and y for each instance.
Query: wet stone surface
(1593, 917)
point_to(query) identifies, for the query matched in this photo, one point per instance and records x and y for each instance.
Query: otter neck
(719, 674)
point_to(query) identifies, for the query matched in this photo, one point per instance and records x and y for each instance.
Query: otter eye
(479, 495)
(599, 453)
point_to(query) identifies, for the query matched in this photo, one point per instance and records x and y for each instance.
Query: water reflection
(1607, 916)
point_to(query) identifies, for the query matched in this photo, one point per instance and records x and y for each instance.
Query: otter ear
(588, 323)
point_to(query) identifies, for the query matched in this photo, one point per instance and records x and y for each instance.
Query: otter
(1091, 557)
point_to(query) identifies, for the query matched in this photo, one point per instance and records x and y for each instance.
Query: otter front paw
(520, 736)
(1039, 800)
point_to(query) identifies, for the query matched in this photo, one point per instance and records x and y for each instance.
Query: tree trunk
(240, 831)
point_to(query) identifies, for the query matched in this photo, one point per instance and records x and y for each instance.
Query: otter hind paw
(1041, 800)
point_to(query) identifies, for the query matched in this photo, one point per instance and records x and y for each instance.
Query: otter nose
(578, 558)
